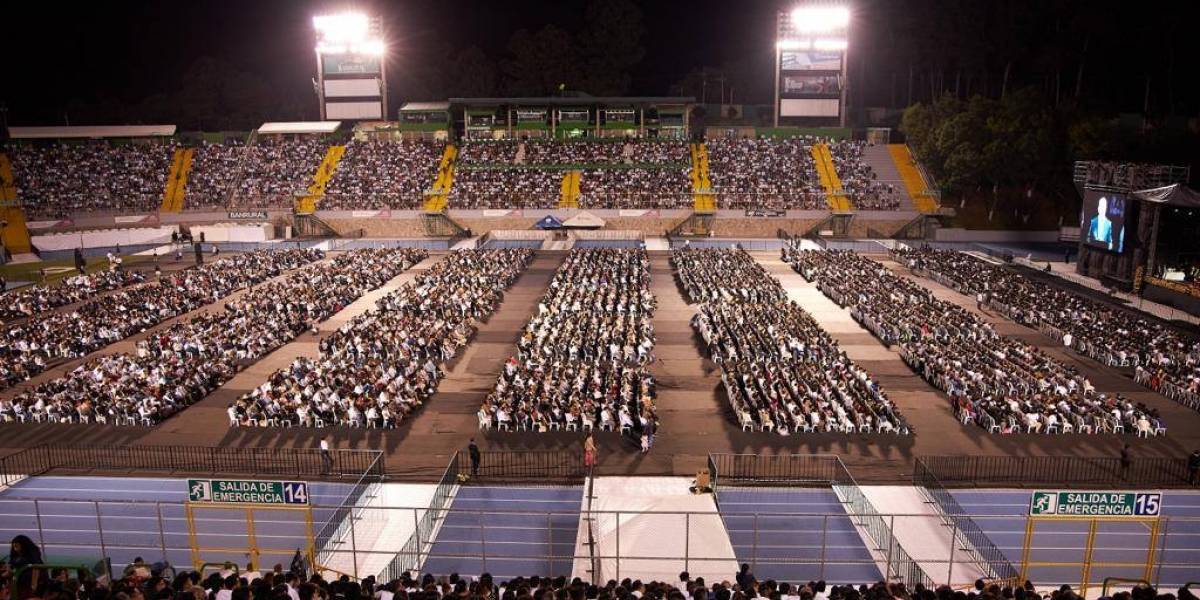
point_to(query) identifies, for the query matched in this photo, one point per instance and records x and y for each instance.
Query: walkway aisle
(654, 529)
(690, 413)
(205, 422)
(927, 539)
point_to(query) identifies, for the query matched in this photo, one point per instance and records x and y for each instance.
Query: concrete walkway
(923, 534)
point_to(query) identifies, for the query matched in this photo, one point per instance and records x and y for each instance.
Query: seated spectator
(581, 359)
(183, 363)
(380, 174)
(781, 371)
(1164, 358)
(56, 179)
(382, 366)
(30, 346)
(40, 298)
(1000, 383)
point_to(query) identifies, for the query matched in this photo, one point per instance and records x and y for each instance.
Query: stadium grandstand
(562, 319)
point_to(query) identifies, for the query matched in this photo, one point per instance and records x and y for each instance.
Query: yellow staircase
(176, 188)
(438, 197)
(333, 155)
(15, 233)
(834, 195)
(703, 200)
(916, 186)
(569, 196)
(8, 183)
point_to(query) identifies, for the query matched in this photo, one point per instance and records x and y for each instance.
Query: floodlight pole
(320, 84)
(777, 74)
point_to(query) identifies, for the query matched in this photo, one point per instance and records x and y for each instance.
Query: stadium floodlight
(342, 29)
(812, 19)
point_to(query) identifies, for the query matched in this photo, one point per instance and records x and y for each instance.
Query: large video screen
(1103, 220)
(343, 64)
(810, 61)
(812, 85)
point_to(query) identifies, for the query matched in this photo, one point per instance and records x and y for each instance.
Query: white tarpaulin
(584, 220)
(1174, 195)
(101, 238)
(234, 232)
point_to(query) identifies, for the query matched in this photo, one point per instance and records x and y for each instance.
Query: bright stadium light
(829, 44)
(811, 19)
(345, 28)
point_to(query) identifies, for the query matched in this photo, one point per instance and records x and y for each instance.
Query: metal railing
(410, 557)
(193, 460)
(794, 470)
(779, 470)
(967, 533)
(355, 507)
(546, 467)
(1043, 471)
(630, 543)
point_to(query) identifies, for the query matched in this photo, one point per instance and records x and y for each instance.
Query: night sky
(64, 55)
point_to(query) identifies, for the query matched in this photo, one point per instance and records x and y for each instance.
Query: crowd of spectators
(581, 360)
(859, 180)
(1164, 357)
(214, 166)
(614, 174)
(489, 152)
(781, 371)
(384, 364)
(30, 346)
(183, 363)
(55, 180)
(665, 187)
(36, 299)
(1000, 383)
(507, 187)
(765, 173)
(379, 174)
(277, 168)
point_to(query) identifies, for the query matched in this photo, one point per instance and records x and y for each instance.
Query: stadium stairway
(651, 526)
(569, 196)
(812, 523)
(835, 197)
(181, 167)
(904, 166)
(325, 171)
(16, 233)
(926, 538)
(703, 200)
(500, 539)
(438, 197)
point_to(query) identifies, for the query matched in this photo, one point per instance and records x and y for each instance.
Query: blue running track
(789, 547)
(1001, 514)
(73, 511)
(504, 543)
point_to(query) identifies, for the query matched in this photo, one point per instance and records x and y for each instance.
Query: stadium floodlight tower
(810, 64)
(351, 79)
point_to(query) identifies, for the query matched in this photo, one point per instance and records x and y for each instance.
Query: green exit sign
(1095, 504)
(241, 491)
